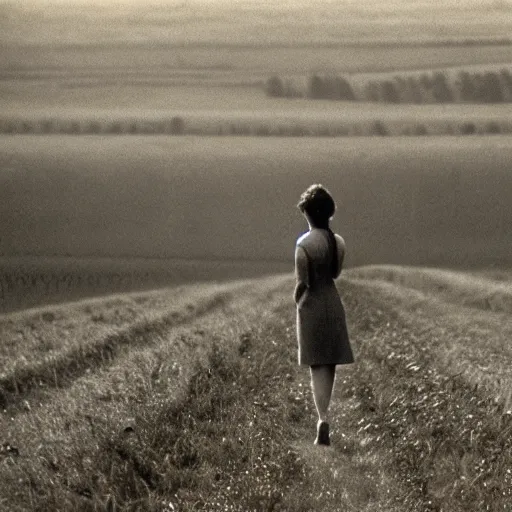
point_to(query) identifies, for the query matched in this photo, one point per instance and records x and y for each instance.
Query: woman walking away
(321, 326)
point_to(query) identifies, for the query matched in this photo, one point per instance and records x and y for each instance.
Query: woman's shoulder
(303, 237)
(339, 239)
(340, 242)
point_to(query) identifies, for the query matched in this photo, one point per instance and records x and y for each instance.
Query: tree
(506, 76)
(316, 88)
(379, 128)
(426, 81)
(466, 86)
(402, 89)
(274, 87)
(489, 88)
(330, 88)
(426, 85)
(345, 91)
(493, 127)
(468, 129)
(414, 90)
(440, 89)
(389, 92)
(372, 91)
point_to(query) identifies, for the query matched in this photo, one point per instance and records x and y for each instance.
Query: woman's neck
(314, 226)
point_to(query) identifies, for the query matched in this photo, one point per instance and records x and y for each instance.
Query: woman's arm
(340, 244)
(301, 273)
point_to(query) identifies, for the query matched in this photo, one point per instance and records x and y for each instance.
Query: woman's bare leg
(322, 383)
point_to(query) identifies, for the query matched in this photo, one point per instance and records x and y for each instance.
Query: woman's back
(318, 253)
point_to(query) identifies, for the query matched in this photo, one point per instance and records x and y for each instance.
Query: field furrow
(74, 357)
(216, 415)
(33, 334)
(69, 439)
(456, 287)
(468, 340)
(448, 438)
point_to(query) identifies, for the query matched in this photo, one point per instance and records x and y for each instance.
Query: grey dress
(321, 325)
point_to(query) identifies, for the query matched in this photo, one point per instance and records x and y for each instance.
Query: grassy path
(214, 414)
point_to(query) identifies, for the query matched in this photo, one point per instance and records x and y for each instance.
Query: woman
(321, 326)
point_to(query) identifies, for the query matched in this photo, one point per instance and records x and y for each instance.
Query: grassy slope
(148, 427)
(27, 281)
(430, 200)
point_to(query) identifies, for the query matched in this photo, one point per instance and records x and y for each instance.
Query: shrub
(274, 87)
(356, 130)
(298, 131)
(378, 128)
(493, 128)
(94, 127)
(324, 131)
(420, 129)
(115, 128)
(177, 126)
(26, 127)
(46, 126)
(340, 131)
(345, 89)
(426, 84)
(132, 127)
(263, 131)
(468, 129)
(74, 127)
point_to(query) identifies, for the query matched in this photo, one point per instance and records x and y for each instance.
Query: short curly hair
(318, 204)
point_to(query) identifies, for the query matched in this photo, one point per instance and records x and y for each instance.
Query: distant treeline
(177, 126)
(435, 87)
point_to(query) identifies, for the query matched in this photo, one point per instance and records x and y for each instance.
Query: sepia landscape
(151, 158)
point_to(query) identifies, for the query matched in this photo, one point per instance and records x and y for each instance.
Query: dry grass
(215, 415)
(448, 437)
(50, 349)
(463, 289)
(473, 320)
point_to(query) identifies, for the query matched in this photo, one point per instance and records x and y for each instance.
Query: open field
(236, 111)
(27, 282)
(131, 66)
(193, 401)
(431, 200)
(147, 327)
(252, 22)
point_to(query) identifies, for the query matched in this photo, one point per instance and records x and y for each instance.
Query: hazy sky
(460, 3)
